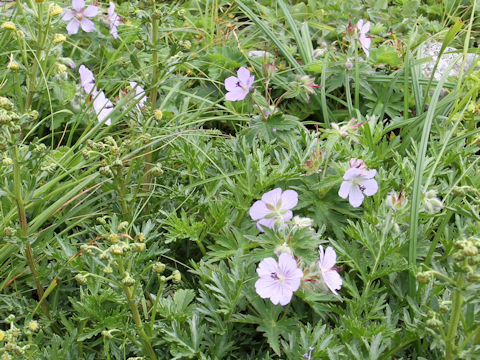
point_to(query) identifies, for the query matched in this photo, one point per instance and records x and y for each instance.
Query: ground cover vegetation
(239, 180)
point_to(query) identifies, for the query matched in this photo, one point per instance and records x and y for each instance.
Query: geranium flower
(87, 80)
(113, 20)
(278, 281)
(365, 40)
(103, 107)
(357, 183)
(239, 86)
(274, 208)
(78, 17)
(330, 276)
(139, 95)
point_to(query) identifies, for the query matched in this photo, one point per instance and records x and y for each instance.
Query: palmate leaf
(273, 127)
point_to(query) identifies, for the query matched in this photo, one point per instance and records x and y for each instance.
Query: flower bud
(473, 260)
(114, 150)
(158, 267)
(349, 65)
(139, 44)
(473, 277)
(158, 114)
(115, 249)
(39, 148)
(10, 318)
(6, 356)
(103, 256)
(269, 70)
(55, 10)
(128, 280)
(107, 334)
(302, 222)
(140, 237)
(81, 279)
(117, 164)
(431, 203)
(177, 276)
(8, 231)
(12, 65)
(5, 103)
(108, 269)
(33, 326)
(57, 38)
(138, 247)
(105, 170)
(444, 307)
(424, 277)
(2, 335)
(6, 161)
(284, 248)
(101, 220)
(86, 249)
(157, 14)
(396, 201)
(157, 170)
(357, 163)
(433, 323)
(60, 68)
(470, 250)
(8, 25)
(113, 238)
(122, 226)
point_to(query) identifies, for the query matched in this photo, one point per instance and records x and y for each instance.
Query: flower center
(277, 277)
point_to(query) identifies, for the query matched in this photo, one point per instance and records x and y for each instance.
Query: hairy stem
(457, 303)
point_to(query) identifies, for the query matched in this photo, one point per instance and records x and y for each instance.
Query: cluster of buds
(467, 257)
(159, 269)
(12, 346)
(110, 152)
(396, 201)
(431, 203)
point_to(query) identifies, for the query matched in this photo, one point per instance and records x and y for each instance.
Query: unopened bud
(140, 237)
(473, 277)
(117, 164)
(55, 10)
(12, 65)
(57, 38)
(157, 14)
(177, 276)
(8, 25)
(158, 267)
(139, 44)
(158, 114)
(470, 251)
(81, 279)
(113, 238)
(424, 277)
(6, 161)
(10, 318)
(433, 323)
(157, 170)
(128, 280)
(5, 103)
(105, 170)
(61, 68)
(107, 334)
(108, 269)
(115, 249)
(284, 248)
(138, 247)
(8, 231)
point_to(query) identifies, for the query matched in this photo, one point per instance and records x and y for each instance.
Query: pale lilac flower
(87, 80)
(365, 40)
(103, 107)
(77, 16)
(278, 281)
(326, 265)
(239, 86)
(139, 95)
(357, 183)
(274, 208)
(113, 20)
(308, 355)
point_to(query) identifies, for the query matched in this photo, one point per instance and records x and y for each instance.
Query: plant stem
(153, 85)
(457, 303)
(31, 264)
(136, 316)
(17, 185)
(357, 80)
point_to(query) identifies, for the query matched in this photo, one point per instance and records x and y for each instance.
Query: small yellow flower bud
(10, 318)
(158, 267)
(55, 10)
(122, 226)
(12, 65)
(6, 161)
(61, 68)
(158, 114)
(116, 250)
(138, 247)
(177, 277)
(59, 38)
(128, 280)
(81, 279)
(33, 325)
(6, 356)
(140, 237)
(2, 335)
(8, 25)
(108, 269)
(113, 238)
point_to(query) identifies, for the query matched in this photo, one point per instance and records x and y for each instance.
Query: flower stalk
(457, 303)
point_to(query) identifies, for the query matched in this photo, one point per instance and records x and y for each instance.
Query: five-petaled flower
(357, 182)
(113, 20)
(77, 16)
(274, 208)
(365, 40)
(329, 274)
(239, 86)
(279, 280)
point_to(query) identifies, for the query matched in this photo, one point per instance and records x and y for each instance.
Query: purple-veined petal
(236, 94)
(267, 266)
(366, 27)
(271, 197)
(114, 32)
(258, 210)
(328, 260)
(288, 215)
(344, 189)
(243, 75)
(90, 11)
(365, 41)
(368, 174)
(356, 196)
(289, 199)
(87, 25)
(265, 222)
(78, 5)
(231, 83)
(333, 280)
(250, 81)
(265, 287)
(352, 173)
(111, 9)
(285, 296)
(359, 24)
(72, 26)
(68, 15)
(370, 185)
